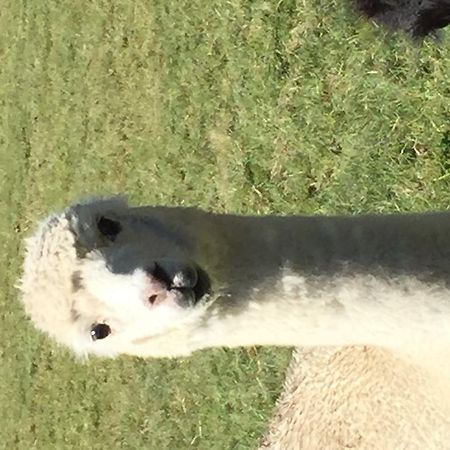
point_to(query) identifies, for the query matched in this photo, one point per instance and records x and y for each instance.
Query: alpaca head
(101, 280)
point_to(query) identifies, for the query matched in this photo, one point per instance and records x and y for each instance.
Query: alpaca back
(359, 398)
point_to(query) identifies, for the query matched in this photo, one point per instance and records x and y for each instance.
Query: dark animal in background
(419, 18)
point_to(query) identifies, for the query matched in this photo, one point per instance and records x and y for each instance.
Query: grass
(243, 106)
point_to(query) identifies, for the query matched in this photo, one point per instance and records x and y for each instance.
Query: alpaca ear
(94, 221)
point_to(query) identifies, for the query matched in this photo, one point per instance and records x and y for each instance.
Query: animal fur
(419, 18)
(104, 278)
(363, 398)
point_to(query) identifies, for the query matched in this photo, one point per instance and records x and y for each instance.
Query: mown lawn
(238, 106)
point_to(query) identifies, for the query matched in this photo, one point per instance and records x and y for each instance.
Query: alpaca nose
(174, 274)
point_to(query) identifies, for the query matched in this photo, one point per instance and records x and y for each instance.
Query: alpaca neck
(330, 281)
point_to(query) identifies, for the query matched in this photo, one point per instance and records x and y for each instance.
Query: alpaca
(359, 397)
(418, 18)
(365, 297)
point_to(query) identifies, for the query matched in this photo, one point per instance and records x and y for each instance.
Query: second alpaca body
(359, 397)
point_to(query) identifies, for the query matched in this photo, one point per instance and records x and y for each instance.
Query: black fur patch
(416, 17)
(434, 17)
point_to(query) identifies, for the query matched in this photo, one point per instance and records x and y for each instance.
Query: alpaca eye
(100, 331)
(108, 227)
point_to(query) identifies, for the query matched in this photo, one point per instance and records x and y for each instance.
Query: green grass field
(237, 106)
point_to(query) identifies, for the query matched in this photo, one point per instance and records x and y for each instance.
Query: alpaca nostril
(161, 275)
(152, 299)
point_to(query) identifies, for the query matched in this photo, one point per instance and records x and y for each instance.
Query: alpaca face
(122, 295)
(106, 279)
(103, 282)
